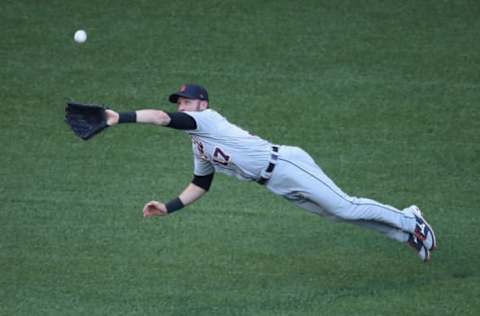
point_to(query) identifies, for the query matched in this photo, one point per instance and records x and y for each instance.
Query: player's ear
(203, 105)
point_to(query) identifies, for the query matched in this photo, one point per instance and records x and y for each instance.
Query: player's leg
(297, 176)
(389, 231)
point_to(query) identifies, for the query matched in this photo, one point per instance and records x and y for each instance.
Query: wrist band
(174, 205)
(127, 117)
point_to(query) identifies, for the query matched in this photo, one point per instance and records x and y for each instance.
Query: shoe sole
(427, 254)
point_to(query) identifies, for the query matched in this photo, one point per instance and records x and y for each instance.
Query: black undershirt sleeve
(203, 181)
(180, 120)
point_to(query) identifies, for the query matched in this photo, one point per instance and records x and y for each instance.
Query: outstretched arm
(177, 120)
(142, 116)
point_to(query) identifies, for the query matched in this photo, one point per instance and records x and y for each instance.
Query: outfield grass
(384, 94)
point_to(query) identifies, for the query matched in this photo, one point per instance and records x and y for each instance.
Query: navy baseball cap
(190, 91)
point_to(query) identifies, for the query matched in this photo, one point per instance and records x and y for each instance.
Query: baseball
(80, 36)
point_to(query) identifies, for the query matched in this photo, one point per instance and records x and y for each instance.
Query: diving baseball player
(219, 145)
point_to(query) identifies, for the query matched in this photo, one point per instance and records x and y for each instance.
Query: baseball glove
(86, 120)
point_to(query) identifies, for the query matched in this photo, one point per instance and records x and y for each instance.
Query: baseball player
(219, 145)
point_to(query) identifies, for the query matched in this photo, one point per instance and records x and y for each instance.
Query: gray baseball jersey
(219, 145)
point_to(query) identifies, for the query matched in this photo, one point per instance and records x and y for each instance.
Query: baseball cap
(190, 91)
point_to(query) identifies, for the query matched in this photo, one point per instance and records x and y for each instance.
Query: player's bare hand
(112, 117)
(154, 208)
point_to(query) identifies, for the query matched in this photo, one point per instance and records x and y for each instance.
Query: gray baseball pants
(299, 179)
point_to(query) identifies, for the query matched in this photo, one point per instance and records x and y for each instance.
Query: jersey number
(220, 157)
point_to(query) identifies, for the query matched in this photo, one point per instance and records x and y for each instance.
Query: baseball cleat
(419, 247)
(423, 230)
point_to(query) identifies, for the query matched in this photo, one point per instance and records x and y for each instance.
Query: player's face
(191, 105)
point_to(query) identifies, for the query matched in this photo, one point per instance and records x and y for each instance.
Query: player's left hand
(154, 208)
(112, 117)
(86, 120)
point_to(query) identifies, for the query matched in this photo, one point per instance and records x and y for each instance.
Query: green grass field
(384, 94)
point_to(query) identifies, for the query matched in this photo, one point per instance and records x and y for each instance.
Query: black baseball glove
(86, 120)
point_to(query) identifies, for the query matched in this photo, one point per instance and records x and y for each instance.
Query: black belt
(267, 173)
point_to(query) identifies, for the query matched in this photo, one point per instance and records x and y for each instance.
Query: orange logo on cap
(183, 88)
